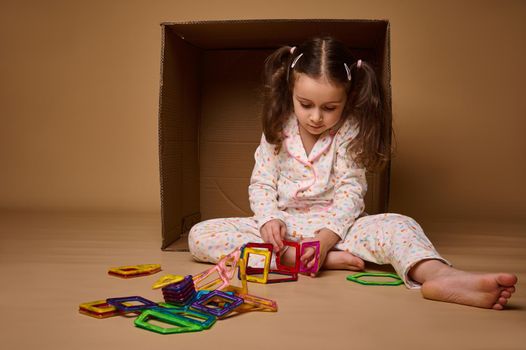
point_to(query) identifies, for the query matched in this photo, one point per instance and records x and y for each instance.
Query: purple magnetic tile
(186, 295)
(181, 297)
(184, 284)
(119, 303)
(189, 289)
(233, 302)
(178, 299)
(179, 290)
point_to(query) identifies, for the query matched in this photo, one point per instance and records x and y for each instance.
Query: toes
(498, 307)
(510, 289)
(502, 301)
(506, 279)
(357, 263)
(505, 294)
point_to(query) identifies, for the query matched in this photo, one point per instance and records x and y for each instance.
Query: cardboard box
(209, 124)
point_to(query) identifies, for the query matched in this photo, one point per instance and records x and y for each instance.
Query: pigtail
(276, 94)
(372, 146)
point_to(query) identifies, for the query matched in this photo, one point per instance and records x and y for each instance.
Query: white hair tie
(296, 60)
(348, 70)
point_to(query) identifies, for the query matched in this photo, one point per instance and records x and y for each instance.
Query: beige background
(79, 83)
(79, 98)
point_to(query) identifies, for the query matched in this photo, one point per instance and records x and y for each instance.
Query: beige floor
(53, 262)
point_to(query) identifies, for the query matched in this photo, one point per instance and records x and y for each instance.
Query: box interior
(209, 104)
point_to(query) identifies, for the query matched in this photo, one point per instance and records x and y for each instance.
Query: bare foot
(341, 260)
(335, 260)
(489, 290)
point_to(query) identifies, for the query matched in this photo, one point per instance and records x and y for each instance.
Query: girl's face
(318, 103)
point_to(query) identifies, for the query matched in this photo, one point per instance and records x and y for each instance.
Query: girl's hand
(274, 232)
(327, 240)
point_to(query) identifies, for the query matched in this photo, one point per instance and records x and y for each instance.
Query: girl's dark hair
(325, 57)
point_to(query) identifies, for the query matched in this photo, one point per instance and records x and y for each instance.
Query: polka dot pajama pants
(382, 239)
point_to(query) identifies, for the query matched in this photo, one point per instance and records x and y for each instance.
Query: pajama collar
(294, 145)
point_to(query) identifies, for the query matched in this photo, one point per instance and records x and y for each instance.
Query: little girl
(323, 125)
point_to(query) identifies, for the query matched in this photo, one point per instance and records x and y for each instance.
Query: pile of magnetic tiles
(195, 303)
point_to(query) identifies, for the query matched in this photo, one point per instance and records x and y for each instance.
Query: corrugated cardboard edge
(164, 242)
(172, 227)
(259, 20)
(389, 99)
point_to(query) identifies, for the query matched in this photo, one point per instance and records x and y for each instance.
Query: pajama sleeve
(349, 191)
(262, 191)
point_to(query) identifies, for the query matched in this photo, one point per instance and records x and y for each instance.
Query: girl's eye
(307, 106)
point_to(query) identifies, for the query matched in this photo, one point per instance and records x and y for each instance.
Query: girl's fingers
(307, 259)
(278, 244)
(310, 264)
(307, 255)
(277, 238)
(272, 241)
(264, 234)
(283, 231)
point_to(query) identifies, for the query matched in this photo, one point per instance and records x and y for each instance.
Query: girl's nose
(316, 117)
